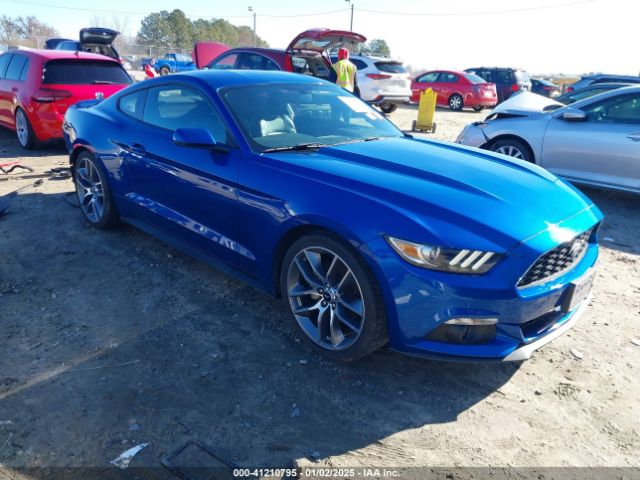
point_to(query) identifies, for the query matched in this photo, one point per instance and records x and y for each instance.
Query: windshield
(473, 78)
(285, 116)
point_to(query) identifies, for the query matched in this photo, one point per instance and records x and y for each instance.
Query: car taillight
(515, 87)
(45, 95)
(378, 76)
(288, 64)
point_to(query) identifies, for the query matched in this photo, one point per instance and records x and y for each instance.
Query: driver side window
(622, 110)
(176, 106)
(428, 77)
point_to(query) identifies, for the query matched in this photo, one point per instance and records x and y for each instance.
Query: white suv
(382, 81)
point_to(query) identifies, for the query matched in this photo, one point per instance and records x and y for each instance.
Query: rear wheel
(24, 131)
(455, 102)
(93, 192)
(334, 299)
(513, 147)
(388, 107)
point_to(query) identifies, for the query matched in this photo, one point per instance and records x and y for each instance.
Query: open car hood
(204, 52)
(527, 102)
(323, 39)
(98, 36)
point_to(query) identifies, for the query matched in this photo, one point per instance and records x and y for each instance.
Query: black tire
(388, 107)
(24, 131)
(372, 324)
(164, 71)
(478, 109)
(514, 148)
(414, 126)
(456, 102)
(108, 217)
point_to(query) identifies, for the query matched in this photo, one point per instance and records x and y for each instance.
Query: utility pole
(351, 24)
(254, 25)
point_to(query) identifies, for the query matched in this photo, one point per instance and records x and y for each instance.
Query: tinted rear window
(391, 67)
(73, 72)
(474, 78)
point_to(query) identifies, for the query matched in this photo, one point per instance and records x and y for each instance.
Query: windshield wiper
(293, 148)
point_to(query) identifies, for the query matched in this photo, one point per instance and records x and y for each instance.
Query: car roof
(224, 78)
(65, 55)
(606, 75)
(374, 58)
(493, 68)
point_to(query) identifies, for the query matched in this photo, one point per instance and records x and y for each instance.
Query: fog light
(471, 321)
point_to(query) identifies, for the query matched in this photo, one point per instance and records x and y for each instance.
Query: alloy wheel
(22, 128)
(90, 190)
(511, 151)
(325, 298)
(455, 102)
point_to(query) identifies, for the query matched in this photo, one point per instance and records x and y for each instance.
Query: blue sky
(573, 36)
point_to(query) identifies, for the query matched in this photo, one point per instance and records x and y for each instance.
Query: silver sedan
(595, 141)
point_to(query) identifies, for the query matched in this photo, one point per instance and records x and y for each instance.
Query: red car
(37, 87)
(456, 89)
(306, 54)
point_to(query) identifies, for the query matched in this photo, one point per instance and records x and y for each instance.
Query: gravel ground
(112, 339)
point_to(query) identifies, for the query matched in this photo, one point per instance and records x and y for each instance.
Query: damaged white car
(595, 141)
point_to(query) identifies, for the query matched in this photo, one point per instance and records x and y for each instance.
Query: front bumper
(423, 300)
(472, 135)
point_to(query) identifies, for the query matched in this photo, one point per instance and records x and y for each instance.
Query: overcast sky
(542, 36)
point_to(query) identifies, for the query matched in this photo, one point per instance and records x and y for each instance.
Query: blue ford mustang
(369, 235)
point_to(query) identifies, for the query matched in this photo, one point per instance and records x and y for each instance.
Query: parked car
(381, 81)
(369, 235)
(595, 141)
(92, 40)
(37, 87)
(173, 63)
(589, 91)
(307, 54)
(456, 89)
(588, 80)
(544, 87)
(507, 80)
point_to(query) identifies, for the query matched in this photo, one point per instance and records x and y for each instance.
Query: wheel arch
(506, 136)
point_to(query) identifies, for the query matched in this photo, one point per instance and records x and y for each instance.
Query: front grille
(557, 261)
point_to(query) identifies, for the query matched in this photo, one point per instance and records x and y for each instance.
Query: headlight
(445, 259)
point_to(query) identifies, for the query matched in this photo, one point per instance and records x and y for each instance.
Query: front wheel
(165, 71)
(94, 195)
(388, 107)
(334, 299)
(512, 147)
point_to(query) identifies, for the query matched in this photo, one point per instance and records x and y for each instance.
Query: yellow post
(426, 111)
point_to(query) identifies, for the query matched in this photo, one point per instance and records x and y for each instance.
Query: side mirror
(194, 138)
(573, 115)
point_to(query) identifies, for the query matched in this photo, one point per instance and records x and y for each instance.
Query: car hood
(448, 190)
(526, 102)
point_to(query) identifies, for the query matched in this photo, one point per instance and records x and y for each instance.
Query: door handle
(136, 148)
(634, 136)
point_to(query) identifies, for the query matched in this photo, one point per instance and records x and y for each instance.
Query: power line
(126, 12)
(479, 13)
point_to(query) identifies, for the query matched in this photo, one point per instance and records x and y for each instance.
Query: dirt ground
(113, 339)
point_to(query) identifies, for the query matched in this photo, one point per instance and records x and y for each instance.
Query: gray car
(595, 141)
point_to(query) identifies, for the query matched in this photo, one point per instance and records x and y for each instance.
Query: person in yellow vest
(345, 71)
